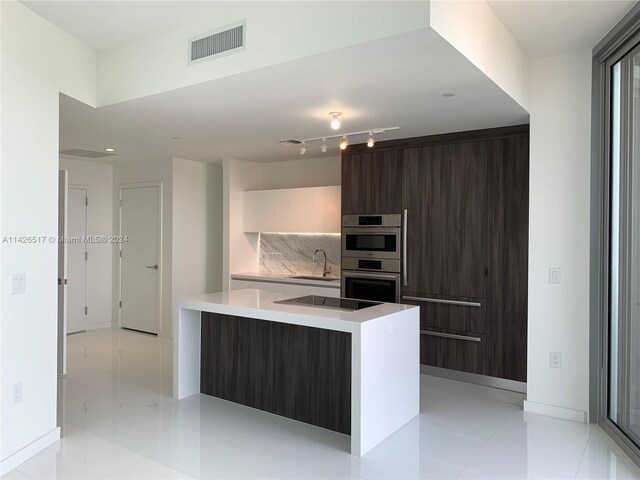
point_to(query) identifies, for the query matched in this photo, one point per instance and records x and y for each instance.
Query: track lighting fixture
(370, 140)
(335, 123)
(344, 139)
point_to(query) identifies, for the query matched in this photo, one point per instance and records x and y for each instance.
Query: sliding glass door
(623, 399)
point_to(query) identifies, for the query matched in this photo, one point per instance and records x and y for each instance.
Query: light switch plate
(555, 275)
(17, 283)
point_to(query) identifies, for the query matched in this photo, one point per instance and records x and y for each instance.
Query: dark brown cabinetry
(444, 192)
(507, 257)
(298, 372)
(466, 201)
(373, 183)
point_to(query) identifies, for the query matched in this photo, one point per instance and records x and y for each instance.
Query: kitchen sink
(315, 277)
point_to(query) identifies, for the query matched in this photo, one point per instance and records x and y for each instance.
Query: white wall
(98, 178)
(214, 228)
(197, 227)
(160, 170)
(37, 62)
(317, 172)
(284, 31)
(240, 253)
(560, 100)
(240, 250)
(476, 32)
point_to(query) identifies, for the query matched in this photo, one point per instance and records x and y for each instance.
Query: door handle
(442, 300)
(155, 267)
(405, 280)
(451, 335)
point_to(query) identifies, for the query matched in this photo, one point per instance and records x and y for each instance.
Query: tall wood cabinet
(373, 182)
(466, 200)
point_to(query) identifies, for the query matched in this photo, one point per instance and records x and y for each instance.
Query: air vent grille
(80, 152)
(223, 41)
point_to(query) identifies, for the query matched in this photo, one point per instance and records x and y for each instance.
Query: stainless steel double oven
(371, 257)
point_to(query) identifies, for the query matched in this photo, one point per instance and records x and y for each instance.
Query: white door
(77, 260)
(63, 185)
(140, 269)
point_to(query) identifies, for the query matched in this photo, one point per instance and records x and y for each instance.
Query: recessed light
(109, 149)
(449, 94)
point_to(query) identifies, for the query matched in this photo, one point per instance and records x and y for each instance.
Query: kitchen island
(353, 371)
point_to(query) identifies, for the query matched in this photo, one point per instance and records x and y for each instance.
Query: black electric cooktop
(329, 302)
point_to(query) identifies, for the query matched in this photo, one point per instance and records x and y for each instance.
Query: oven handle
(370, 231)
(380, 276)
(405, 215)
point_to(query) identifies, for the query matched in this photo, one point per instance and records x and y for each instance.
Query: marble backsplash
(293, 253)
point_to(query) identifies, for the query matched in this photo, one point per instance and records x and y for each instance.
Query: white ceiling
(553, 27)
(103, 24)
(397, 81)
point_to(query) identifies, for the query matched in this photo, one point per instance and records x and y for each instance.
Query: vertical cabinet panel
(259, 211)
(445, 194)
(508, 257)
(326, 214)
(372, 183)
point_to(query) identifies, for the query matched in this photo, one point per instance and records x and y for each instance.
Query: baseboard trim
(494, 382)
(557, 412)
(25, 453)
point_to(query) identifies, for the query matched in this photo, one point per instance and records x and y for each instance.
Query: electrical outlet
(555, 275)
(17, 393)
(555, 359)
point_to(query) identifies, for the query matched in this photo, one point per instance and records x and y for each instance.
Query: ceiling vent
(79, 152)
(290, 142)
(217, 43)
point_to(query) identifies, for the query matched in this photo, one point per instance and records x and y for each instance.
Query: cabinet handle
(405, 216)
(442, 300)
(450, 335)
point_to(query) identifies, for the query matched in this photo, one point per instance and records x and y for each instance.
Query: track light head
(323, 147)
(344, 142)
(335, 123)
(370, 140)
(303, 148)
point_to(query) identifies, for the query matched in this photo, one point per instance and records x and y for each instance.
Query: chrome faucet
(325, 271)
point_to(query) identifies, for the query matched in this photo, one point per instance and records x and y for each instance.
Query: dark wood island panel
(303, 373)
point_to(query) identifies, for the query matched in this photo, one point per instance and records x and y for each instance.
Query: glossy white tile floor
(119, 422)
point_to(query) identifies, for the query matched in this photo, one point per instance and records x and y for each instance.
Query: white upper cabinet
(291, 210)
(260, 211)
(294, 210)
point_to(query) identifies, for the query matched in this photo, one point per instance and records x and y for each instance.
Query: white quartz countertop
(284, 278)
(258, 303)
